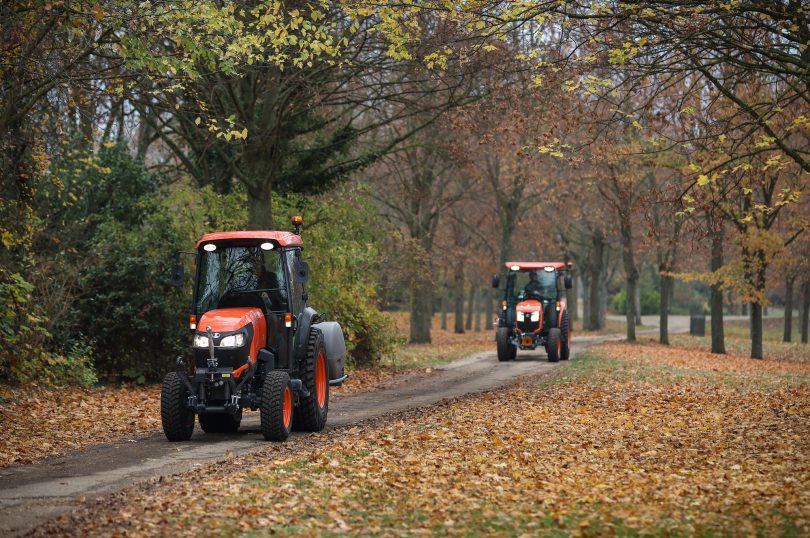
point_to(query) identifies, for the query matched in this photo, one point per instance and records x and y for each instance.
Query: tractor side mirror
(496, 280)
(569, 282)
(303, 271)
(176, 276)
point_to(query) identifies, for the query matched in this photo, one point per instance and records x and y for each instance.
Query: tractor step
(298, 386)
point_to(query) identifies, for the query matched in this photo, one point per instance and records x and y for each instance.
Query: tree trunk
(444, 309)
(756, 331)
(458, 298)
(586, 304)
(787, 336)
(478, 311)
(805, 317)
(596, 277)
(260, 209)
(421, 312)
(470, 307)
(716, 299)
(755, 268)
(601, 312)
(663, 308)
(638, 305)
(631, 274)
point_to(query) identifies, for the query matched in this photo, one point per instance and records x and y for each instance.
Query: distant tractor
(534, 310)
(255, 341)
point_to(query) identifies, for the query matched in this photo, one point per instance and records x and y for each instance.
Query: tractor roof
(282, 238)
(530, 266)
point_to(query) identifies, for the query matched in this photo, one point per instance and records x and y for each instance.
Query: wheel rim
(559, 344)
(320, 379)
(287, 406)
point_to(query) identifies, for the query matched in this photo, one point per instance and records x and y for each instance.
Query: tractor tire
(276, 407)
(565, 334)
(312, 409)
(506, 351)
(177, 418)
(220, 422)
(554, 346)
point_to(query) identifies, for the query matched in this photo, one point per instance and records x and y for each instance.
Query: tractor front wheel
(276, 407)
(554, 345)
(565, 334)
(506, 351)
(313, 409)
(220, 423)
(177, 418)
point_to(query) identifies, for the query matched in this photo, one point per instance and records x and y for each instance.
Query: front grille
(528, 326)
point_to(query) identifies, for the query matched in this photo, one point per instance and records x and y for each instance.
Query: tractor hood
(529, 306)
(225, 321)
(229, 319)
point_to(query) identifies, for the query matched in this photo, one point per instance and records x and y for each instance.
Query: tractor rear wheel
(506, 351)
(554, 345)
(565, 334)
(276, 407)
(312, 409)
(220, 422)
(177, 418)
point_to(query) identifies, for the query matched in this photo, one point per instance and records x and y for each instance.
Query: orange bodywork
(233, 319)
(530, 307)
(282, 238)
(533, 266)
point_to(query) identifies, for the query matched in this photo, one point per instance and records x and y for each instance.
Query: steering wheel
(534, 294)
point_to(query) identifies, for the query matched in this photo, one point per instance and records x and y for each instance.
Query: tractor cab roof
(532, 266)
(283, 239)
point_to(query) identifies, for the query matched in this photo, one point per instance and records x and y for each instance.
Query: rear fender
(303, 325)
(563, 307)
(335, 347)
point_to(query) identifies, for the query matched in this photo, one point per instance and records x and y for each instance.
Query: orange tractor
(534, 310)
(256, 342)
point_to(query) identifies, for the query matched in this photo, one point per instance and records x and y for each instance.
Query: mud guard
(303, 325)
(335, 349)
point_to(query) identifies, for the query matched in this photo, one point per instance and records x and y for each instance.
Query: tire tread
(174, 415)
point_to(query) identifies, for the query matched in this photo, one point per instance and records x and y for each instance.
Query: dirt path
(31, 494)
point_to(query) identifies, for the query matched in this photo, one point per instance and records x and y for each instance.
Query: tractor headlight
(520, 316)
(200, 340)
(536, 316)
(234, 340)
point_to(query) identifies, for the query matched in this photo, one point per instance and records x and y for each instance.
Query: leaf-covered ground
(629, 440)
(37, 423)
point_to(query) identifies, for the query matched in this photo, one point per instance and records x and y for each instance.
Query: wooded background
(662, 147)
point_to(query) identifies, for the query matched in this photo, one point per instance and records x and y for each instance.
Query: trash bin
(697, 325)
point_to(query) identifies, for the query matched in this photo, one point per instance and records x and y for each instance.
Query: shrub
(342, 249)
(650, 301)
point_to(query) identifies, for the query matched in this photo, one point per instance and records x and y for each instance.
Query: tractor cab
(256, 342)
(534, 309)
(247, 282)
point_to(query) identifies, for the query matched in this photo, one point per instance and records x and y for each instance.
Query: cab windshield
(536, 283)
(240, 276)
